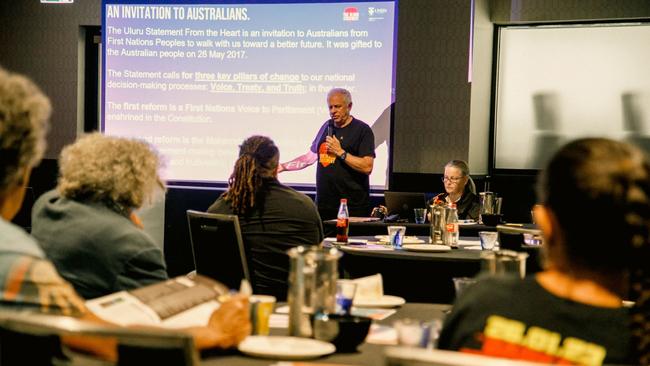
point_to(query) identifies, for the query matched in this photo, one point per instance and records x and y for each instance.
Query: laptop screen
(403, 203)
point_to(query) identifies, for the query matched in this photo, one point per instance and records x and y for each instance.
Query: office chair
(218, 247)
(34, 339)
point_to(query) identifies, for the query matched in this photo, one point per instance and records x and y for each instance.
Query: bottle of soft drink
(342, 222)
(451, 227)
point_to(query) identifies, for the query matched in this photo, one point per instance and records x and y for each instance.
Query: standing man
(345, 150)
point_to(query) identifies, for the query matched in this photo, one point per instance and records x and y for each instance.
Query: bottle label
(452, 227)
(342, 230)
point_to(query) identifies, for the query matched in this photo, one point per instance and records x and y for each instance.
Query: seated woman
(87, 226)
(571, 312)
(273, 217)
(459, 189)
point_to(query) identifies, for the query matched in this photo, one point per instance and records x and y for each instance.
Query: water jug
(438, 223)
(312, 286)
(490, 205)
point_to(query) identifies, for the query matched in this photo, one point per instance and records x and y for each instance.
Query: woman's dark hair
(599, 191)
(258, 161)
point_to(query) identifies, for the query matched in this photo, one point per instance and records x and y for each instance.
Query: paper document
(175, 303)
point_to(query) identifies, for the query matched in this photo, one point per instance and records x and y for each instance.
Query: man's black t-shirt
(334, 178)
(513, 318)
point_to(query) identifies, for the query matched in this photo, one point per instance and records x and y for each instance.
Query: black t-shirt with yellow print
(513, 318)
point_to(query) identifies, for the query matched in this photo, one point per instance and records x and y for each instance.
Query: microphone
(330, 128)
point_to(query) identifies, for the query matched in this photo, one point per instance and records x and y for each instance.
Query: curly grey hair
(24, 115)
(347, 97)
(119, 172)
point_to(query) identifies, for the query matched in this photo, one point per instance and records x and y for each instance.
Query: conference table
(416, 276)
(367, 353)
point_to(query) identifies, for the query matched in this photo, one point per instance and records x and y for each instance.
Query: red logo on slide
(350, 14)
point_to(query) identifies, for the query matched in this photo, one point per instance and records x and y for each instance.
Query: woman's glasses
(451, 179)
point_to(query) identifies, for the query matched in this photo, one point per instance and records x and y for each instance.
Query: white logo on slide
(376, 13)
(350, 14)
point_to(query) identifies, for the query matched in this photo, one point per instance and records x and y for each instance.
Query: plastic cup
(488, 239)
(419, 215)
(396, 235)
(261, 308)
(345, 291)
(415, 333)
(409, 332)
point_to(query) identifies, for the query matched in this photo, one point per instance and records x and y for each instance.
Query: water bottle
(342, 222)
(451, 227)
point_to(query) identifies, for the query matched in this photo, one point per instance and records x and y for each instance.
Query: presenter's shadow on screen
(637, 131)
(547, 138)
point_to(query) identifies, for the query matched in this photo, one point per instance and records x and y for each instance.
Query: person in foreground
(28, 280)
(345, 149)
(273, 217)
(87, 225)
(572, 312)
(459, 189)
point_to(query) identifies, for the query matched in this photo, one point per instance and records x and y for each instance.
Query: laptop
(403, 203)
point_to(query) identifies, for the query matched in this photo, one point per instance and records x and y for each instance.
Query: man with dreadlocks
(273, 217)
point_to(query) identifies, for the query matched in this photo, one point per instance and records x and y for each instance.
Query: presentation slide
(197, 78)
(558, 83)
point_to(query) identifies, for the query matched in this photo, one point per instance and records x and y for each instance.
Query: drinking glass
(345, 290)
(488, 239)
(415, 333)
(396, 235)
(261, 307)
(462, 283)
(419, 215)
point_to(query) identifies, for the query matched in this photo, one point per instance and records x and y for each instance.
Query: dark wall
(527, 11)
(433, 95)
(40, 40)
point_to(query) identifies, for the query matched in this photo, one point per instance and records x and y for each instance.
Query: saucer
(405, 240)
(286, 348)
(386, 301)
(435, 248)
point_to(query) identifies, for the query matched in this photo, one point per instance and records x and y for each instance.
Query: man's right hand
(231, 321)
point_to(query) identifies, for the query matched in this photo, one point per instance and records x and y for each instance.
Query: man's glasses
(451, 179)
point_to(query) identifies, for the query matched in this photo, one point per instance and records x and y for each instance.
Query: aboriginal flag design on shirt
(324, 158)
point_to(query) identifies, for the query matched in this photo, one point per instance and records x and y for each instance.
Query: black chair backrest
(218, 247)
